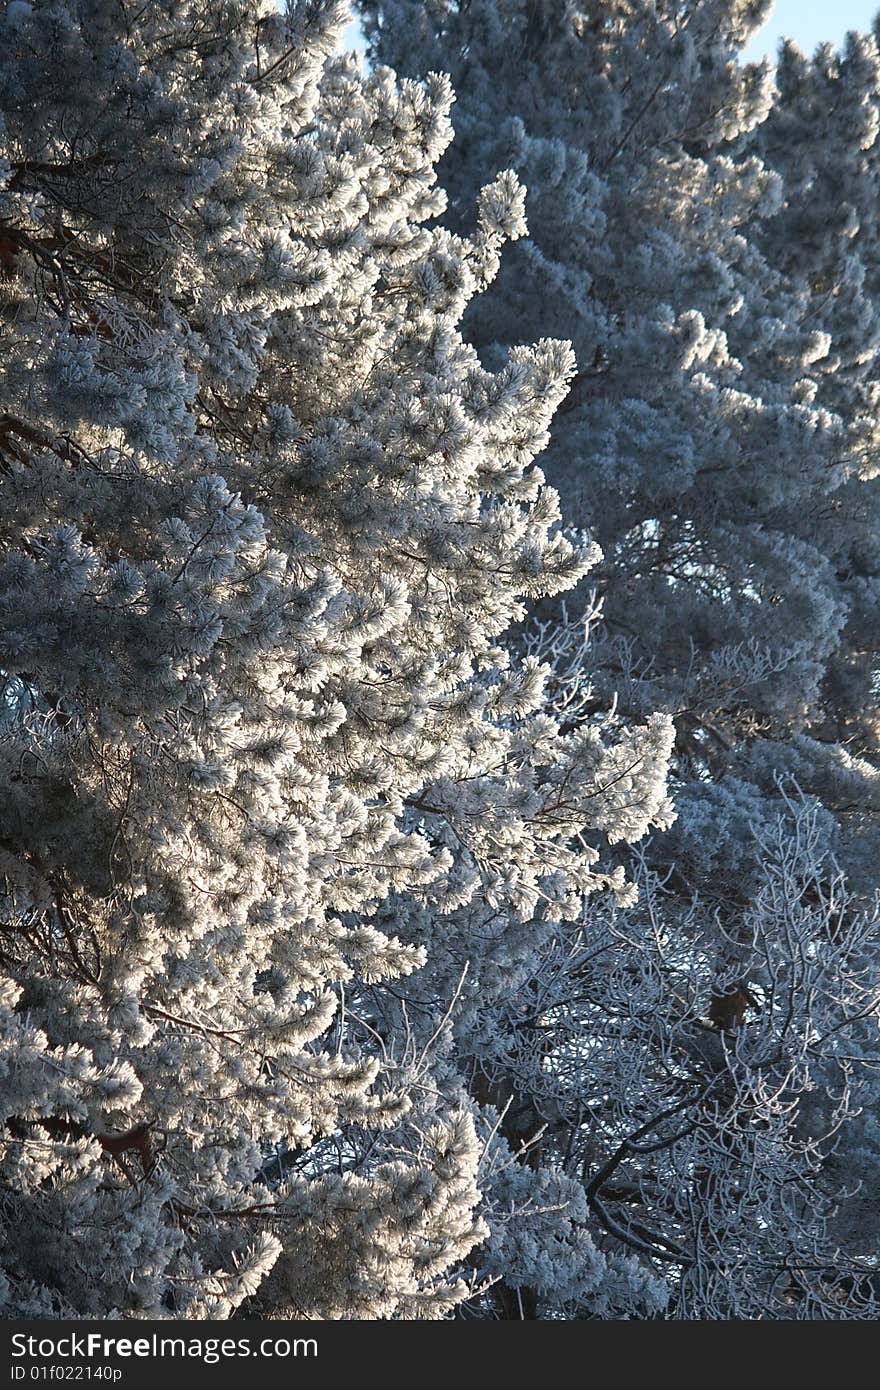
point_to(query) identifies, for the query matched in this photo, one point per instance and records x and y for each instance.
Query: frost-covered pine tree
(264, 520)
(691, 441)
(828, 214)
(705, 236)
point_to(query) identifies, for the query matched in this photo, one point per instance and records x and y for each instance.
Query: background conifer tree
(704, 233)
